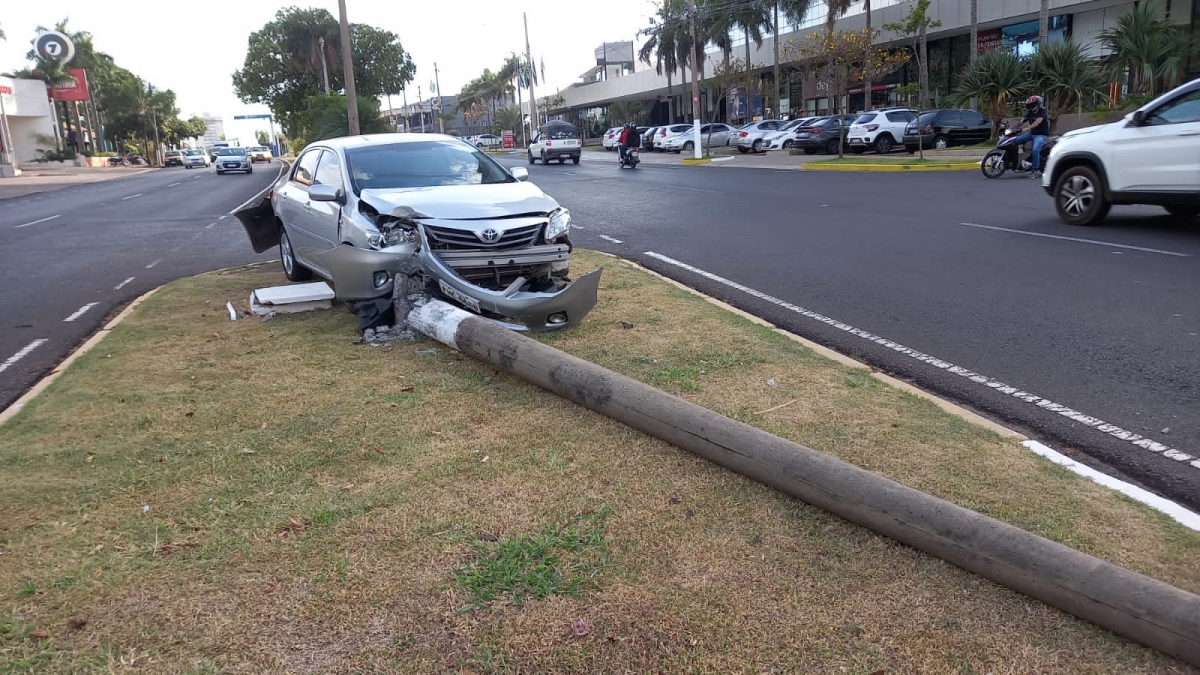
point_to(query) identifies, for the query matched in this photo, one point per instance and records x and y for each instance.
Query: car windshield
(258, 148)
(172, 153)
(421, 164)
(193, 153)
(231, 152)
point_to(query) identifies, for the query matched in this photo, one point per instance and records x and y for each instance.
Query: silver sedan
(425, 212)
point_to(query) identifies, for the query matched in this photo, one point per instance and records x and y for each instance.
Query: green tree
(381, 66)
(997, 79)
(325, 116)
(1154, 52)
(666, 37)
(1066, 77)
(508, 117)
(915, 28)
(262, 137)
(625, 111)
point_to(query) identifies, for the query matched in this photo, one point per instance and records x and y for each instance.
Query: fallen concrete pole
(1151, 612)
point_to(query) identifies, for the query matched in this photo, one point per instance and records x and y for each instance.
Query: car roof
(346, 142)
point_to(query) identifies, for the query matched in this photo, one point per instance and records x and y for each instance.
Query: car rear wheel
(883, 145)
(574, 160)
(292, 269)
(941, 143)
(832, 147)
(1079, 197)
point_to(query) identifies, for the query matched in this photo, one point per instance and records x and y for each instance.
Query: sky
(195, 55)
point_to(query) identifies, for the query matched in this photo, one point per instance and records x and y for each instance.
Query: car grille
(450, 238)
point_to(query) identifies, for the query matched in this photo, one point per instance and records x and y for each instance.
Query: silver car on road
(424, 212)
(232, 159)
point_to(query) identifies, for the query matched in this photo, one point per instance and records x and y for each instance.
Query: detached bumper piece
(513, 308)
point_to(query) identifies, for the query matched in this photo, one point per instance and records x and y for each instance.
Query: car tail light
(549, 143)
(663, 132)
(872, 127)
(744, 134)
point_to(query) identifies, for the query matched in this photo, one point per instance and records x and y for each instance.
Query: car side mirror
(326, 193)
(519, 172)
(1139, 118)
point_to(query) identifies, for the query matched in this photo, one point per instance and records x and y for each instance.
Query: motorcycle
(1007, 155)
(118, 161)
(630, 159)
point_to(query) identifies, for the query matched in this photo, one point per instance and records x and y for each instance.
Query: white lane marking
(79, 312)
(35, 222)
(209, 226)
(608, 238)
(282, 166)
(122, 284)
(1081, 241)
(222, 218)
(12, 360)
(131, 196)
(1046, 404)
(1181, 515)
(153, 264)
(680, 187)
(200, 176)
(566, 173)
(174, 184)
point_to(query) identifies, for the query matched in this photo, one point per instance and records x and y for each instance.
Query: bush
(67, 155)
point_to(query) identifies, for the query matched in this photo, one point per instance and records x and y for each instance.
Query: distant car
(823, 135)
(194, 158)
(785, 137)
(879, 130)
(173, 158)
(610, 138)
(556, 140)
(487, 141)
(233, 159)
(940, 129)
(752, 136)
(260, 153)
(648, 138)
(660, 139)
(711, 135)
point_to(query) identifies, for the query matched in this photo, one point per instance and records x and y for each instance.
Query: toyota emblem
(489, 236)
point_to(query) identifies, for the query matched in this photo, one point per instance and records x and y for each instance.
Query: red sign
(75, 90)
(5, 89)
(989, 39)
(506, 139)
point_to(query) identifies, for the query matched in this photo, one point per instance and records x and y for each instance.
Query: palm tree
(1066, 76)
(793, 13)
(1148, 48)
(997, 79)
(752, 18)
(625, 111)
(1043, 24)
(668, 30)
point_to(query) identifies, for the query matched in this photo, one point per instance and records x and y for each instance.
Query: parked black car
(823, 135)
(648, 138)
(940, 129)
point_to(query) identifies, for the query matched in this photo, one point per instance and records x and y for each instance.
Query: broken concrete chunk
(292, 298)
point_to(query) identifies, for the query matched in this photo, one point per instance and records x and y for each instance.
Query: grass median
(896, 159)
(199, 495)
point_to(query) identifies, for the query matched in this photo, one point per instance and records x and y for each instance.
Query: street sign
(252, 117)
(507, 141)
(54, 46)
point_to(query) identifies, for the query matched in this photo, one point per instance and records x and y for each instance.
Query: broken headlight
(560, 222)
(391, 237)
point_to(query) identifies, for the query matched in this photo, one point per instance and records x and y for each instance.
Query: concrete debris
(386, 334)
(290, 299)
(427, 352)
(232, 311)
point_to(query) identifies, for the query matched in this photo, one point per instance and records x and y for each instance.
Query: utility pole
(324, 66)
(695, 84)
(157, 144)
(420, 109)
(348, 70)
(438, 85)
(533, 111)
(404, 93)
(775, 39)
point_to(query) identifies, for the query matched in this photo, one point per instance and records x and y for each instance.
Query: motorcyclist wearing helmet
(1038, 131)
(630, 138)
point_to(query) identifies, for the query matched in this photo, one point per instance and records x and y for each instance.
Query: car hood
(461, 202)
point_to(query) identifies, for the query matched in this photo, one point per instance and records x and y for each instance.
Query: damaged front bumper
(513, 308)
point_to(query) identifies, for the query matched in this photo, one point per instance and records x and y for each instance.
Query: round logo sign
(54, 46)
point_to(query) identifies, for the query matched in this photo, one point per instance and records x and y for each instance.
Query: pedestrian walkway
(37, 178)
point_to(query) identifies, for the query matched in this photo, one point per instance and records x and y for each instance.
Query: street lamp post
(324, 65)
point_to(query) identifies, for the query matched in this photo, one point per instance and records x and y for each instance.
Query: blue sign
(251, 117)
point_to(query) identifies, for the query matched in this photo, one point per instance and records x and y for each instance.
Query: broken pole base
(1135, 606)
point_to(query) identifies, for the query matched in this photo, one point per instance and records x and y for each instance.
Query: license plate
(462, 298)
(564, 156)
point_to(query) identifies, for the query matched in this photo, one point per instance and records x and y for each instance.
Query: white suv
(1152, 156)
(881, 129)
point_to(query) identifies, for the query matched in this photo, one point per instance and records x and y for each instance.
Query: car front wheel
(1079, 197)
(292, 269)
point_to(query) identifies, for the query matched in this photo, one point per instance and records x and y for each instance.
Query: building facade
(1011, 24)
(27, 124)
(214, 129)
(423, 116)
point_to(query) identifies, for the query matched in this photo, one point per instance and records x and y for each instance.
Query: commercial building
(423, 115)
(27, 123)
(214, 129)
(1009, 24)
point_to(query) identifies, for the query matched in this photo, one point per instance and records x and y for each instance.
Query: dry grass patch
(318, 506)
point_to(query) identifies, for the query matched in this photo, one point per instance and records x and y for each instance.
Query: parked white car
(785, 137)
(486, 141)
(881, 130)
(610, 138)
(683, 141)
(1152, 156)
(751, 136)
(663, 133)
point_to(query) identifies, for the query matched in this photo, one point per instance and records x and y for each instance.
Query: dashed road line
(35, 222)
(1079, 240)
(612, 239)
(153, 264)
(131, 196)
(123, 283)
(173, 184)
(991, 383)
(12, 360)
(80, 312)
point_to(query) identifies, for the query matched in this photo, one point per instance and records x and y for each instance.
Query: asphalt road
(1085, 338)
(70, 258)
